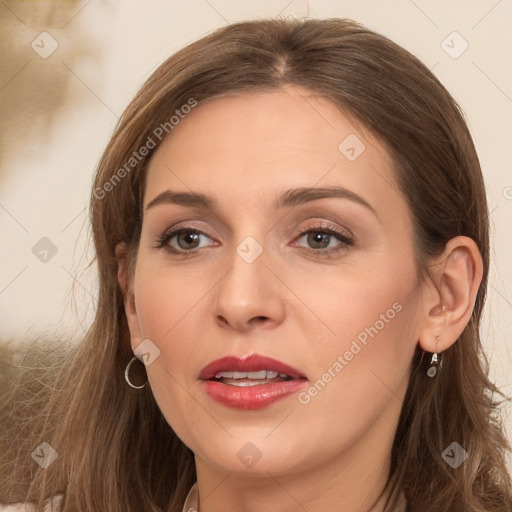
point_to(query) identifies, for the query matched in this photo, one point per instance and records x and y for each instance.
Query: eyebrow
(290, 198)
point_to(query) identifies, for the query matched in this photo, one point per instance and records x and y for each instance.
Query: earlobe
(450, 301)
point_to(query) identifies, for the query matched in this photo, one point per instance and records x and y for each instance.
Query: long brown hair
(116, 451)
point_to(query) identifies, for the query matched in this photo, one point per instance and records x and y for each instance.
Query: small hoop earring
(436, 362)
(127, 375)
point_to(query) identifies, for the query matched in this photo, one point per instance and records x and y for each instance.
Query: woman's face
(302, 253)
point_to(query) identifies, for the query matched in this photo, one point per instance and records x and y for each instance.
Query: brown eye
(318, 239)
(323, 241)
(183, 240)
(187, 239)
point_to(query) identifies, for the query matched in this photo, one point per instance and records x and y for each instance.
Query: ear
(126, 285)
(449, 302)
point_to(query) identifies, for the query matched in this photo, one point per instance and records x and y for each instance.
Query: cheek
(369, 307)
(365, 362)
(164, 298)
(358, 388)
(171, 309)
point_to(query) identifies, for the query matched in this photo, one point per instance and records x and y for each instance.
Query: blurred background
(69, 68)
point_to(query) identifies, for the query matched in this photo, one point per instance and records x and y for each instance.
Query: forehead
(242, 149)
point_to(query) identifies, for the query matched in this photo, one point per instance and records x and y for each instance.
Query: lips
(252, 363)
(251, 382)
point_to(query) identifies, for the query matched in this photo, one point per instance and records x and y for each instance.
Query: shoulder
(18, 507)
(52, 506)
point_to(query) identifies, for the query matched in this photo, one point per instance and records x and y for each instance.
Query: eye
(322, 240)
(182, 240)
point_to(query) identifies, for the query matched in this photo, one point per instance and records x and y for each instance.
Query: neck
(313, 492)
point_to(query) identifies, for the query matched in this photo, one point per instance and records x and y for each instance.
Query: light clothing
(191, 504)
(51, 506)
(192, 501)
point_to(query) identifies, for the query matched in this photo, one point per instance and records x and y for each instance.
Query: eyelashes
(193, 234)
(319, 235)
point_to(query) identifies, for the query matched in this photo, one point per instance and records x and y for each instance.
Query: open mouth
(250, 382)
(257, 378)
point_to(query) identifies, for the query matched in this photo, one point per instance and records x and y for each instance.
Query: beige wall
(58, 111)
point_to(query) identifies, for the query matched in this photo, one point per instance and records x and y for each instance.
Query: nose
(249, 295)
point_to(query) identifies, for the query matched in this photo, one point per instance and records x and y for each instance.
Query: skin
(291, 303)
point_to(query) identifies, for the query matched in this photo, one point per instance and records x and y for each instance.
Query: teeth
(224, 375)
(248, 383)
(260, 375)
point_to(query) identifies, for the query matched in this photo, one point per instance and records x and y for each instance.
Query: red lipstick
(251, 382)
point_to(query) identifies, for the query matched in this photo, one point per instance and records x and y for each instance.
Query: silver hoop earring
(436, 362)
(127, 375)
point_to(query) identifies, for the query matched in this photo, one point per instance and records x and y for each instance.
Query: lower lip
(252, 397)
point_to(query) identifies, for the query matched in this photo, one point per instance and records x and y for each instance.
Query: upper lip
(250, 363)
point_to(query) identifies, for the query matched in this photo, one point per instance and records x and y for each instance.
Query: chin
(254, 456)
